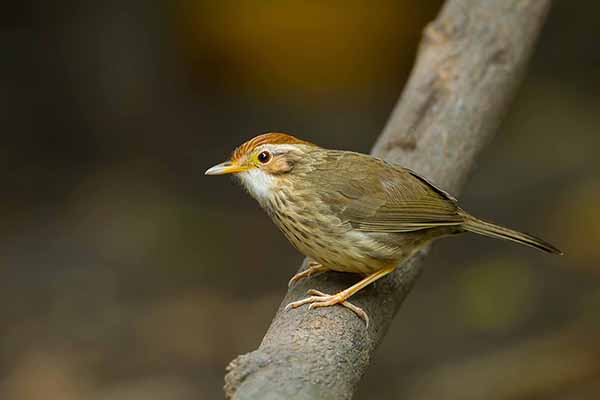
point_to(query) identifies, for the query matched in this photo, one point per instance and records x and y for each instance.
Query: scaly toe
(299, 276)
(313, 268)
(293, 280)
(320, 299)
(299, 303)
(326, 301)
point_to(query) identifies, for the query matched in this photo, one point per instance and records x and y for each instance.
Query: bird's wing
(386, 198)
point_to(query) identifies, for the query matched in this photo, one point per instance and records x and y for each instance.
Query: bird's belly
(337, 246)
(349, 262)
(349, 251)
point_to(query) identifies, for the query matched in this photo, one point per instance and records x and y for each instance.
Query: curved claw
(313, 268)
(320, 299)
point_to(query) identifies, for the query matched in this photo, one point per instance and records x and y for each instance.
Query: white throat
(258, 183)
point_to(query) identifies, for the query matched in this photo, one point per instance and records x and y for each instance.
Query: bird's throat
(259, 184)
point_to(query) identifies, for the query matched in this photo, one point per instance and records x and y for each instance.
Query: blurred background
(127, 274)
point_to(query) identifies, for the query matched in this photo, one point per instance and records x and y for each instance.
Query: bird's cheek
(279, 166)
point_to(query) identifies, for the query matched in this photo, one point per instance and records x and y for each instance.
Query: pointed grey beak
(226, 167)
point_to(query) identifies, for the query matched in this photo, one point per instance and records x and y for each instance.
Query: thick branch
(470, 61)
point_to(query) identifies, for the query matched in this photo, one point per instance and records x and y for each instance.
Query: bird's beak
(225, 168)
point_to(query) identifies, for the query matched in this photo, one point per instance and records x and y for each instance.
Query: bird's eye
(264, 157)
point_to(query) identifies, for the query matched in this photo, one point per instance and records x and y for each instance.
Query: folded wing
(397, 200)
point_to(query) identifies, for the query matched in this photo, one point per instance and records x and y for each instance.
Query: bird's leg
(319, 299)
(313, 268)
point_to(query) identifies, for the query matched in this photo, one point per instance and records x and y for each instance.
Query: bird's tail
(476, 225)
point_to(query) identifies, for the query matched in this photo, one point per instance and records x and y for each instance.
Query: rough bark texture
(470, 61)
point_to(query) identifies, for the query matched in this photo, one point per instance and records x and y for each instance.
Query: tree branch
(469, 64)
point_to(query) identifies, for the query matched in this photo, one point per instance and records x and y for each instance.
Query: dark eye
(264, 157)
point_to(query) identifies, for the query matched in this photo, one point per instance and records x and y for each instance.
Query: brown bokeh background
(126, 274)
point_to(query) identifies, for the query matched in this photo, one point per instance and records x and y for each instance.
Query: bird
(350, 212)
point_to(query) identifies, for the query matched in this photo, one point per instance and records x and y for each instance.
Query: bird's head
(264, 161)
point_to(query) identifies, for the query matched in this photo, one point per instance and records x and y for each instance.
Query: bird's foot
(320, 299)
(313, 268)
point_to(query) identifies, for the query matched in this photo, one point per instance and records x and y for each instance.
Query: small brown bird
(350, 212)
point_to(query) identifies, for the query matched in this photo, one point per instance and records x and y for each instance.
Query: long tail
(475, 225)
